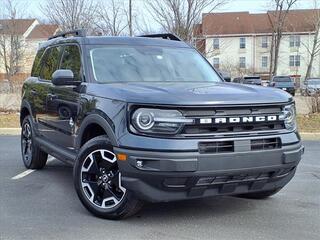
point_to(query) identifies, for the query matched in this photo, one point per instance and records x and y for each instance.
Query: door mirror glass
(64, 77)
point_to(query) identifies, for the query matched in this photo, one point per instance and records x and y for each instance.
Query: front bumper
(161, 176)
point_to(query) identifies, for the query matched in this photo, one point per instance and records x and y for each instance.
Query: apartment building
(239, 43)
(31, 33)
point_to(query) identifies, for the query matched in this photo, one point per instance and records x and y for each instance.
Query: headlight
(289, 117)
(148, 120)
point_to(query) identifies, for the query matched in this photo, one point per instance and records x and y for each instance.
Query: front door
(49, 63)
(63, 101)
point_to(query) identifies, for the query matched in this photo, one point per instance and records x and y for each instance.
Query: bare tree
(314, 50)
(181, 16)
(112, 18)
(71, 14)
(11, 41)
(279, 16)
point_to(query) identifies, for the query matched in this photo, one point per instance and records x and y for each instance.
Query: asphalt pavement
(43, 205)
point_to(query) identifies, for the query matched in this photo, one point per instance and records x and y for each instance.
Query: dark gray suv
(149, 119)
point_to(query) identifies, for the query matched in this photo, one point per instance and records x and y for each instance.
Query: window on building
(264, 42)
(216, 43)
(242, 42)
(264, 61)
(295, 41)
(216, 62)
(294, 61)
(242, 62)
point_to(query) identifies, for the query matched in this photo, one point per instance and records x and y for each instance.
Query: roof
(232, 23)
(226, 23)
(43, 31)
(129, 41)
(19, 26)
(297, 20)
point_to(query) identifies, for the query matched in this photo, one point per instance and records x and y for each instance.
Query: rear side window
(36, 64)
(50, 62)
(71, 60)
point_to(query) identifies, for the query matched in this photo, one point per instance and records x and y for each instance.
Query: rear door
(63, 101)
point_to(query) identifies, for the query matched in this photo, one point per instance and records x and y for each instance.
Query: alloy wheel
(101, 179)
(26, 141)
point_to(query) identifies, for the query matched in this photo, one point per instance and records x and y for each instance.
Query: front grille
(265, 144)
(216, 147)
(198, 128)
(229, 146)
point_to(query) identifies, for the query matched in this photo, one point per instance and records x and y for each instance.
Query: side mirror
(64, 77)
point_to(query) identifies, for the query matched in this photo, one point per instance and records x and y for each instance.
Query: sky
(234, 5)
(32, 7)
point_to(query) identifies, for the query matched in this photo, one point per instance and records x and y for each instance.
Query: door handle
(33, 92)
(51, 96)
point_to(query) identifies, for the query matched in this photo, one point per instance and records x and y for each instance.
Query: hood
(181, 93)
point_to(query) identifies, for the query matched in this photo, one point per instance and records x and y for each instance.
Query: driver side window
(71, 59)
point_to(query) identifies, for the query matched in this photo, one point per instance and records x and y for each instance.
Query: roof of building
(298, 20)
(43, 31)
(231, 23)
(19, 26)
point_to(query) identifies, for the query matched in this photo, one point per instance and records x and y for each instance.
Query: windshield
(314, 82)
(282, 79)
(149, 64)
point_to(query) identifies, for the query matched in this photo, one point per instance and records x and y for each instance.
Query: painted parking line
(23, 174)
(28, 171)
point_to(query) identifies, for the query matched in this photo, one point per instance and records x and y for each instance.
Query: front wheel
(97, 181)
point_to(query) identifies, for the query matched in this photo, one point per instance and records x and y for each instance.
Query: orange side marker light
(122, 157)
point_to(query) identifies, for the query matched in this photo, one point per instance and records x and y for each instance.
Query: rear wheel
(98, 184)
(33, 157)
(260, 195)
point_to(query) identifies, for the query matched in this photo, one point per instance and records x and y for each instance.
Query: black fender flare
(101, 121)
(26, 104)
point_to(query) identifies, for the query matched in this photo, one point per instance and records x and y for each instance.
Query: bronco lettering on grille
(246, 119)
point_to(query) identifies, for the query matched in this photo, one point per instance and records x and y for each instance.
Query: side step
(66, 156)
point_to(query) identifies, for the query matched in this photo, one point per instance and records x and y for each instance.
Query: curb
(10, 131)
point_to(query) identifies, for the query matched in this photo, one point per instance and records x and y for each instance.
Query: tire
(260, 195)
(97, 181)
(33, 157)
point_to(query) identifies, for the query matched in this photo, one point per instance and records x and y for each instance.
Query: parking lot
(44, 205)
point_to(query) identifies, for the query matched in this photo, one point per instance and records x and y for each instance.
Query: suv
(149, 119)
(285, 83)
(311, 87)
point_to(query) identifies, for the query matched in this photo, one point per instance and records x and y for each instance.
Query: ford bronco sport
(149, 119)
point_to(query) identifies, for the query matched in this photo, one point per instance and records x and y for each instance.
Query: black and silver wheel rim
(26, 142)
(101, 179)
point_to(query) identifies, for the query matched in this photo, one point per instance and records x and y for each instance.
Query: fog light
(139, 164)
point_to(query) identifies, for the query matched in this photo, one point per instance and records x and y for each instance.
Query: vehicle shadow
(157, 212)
(204, 208)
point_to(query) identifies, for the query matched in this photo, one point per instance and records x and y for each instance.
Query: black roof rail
(168, 36)
(75, 33)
